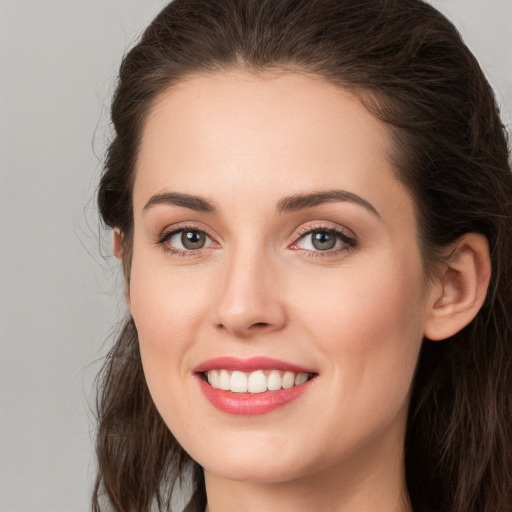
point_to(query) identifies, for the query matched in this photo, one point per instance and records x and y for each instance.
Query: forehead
(237, 130)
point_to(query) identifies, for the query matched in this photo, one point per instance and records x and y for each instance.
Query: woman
(311, 203)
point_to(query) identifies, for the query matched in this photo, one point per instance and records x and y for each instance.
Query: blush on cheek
(377, 340)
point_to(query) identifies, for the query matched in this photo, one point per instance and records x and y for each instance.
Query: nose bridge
(249, 299)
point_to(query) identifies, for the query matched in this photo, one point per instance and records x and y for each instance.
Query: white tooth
(300, 378)
(257, 382)
(213, 378)
(224, 380)
(274, 380)
(238, 382)
(288, 380)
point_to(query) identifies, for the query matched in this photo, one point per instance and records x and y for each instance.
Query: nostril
(259, 325)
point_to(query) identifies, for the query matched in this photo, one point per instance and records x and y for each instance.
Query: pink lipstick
(252, 386)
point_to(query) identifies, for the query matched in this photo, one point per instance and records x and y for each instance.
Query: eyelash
(348, 243)
(167, 235)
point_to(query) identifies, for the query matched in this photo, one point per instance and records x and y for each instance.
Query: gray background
(59, 291)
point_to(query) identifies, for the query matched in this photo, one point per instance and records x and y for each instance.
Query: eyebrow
(287, 204)
(310, 200)
(185, 200)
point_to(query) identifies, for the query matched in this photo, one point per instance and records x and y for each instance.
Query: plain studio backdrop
(61, 298)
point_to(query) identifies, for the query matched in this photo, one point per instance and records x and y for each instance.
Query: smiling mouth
(254, 382)
(253, 386)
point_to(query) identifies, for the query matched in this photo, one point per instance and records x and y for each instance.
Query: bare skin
(220, 157)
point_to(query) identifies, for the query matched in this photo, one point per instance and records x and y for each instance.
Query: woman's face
(273, 244)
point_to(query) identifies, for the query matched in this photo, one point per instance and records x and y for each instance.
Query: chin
(253, 460)
(267, 469)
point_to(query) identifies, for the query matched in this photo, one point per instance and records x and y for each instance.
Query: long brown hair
(410, 68)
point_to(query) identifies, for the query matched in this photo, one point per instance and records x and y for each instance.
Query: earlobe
(460, 290)
(118, 244)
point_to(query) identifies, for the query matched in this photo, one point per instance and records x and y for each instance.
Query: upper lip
(249, 365)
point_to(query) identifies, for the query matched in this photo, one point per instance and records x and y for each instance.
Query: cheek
(168, 308)
(166, 312)
(370, 303)
(384, 312)
(369, 325)
(162, 299)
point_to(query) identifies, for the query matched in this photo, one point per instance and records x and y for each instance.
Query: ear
(118, 247)
(459, 292)
(118, 244)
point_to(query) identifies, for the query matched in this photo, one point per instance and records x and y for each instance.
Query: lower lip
(251, 404)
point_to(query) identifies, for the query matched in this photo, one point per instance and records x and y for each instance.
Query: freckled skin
(354, 314)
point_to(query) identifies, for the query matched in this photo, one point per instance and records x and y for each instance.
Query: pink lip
(249, 404)
(249, 365)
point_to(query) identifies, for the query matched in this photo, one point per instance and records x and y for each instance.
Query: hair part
(450, 150)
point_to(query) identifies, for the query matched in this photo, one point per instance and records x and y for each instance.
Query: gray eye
(193, 239)
(323, 241)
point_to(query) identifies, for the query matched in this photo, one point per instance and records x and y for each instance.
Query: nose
(251, 298)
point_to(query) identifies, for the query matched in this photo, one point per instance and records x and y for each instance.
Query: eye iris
(323, 241)
(193, 239)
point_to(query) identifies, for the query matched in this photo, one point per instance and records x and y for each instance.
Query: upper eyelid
(176, 228)
(327, 226)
